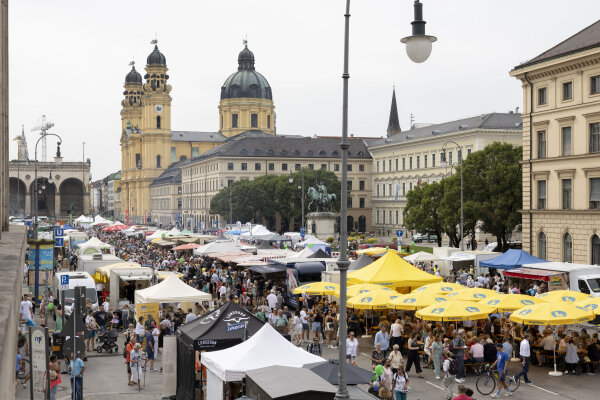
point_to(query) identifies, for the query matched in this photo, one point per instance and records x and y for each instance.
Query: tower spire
(394, 122)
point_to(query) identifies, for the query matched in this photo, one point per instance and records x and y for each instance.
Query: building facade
(165, 197)
(112, 184)
(405, 159)
(252, 156)
(561, 150)
(149, 146)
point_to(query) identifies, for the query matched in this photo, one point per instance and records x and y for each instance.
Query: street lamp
(459, 162)
(418, 48)
(35, 180)
(301, 188)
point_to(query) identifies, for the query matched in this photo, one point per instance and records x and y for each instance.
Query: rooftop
(170, 176)
(493, 121)
(194, 136)
(585, 39)
(287, 147)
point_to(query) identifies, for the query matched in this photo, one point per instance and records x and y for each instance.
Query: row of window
(566, 137)
(414, 162)
(400, 188)
(567, 91)
(566, 187)
(567, 248)
(284, 167)
(253, 121)
(380, 217)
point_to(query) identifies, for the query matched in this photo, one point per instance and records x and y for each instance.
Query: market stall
(513, 258)
(171, 290)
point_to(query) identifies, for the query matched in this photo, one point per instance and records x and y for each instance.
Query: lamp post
(35, 180)
(459, 162)
(301, 188)
(418, 49)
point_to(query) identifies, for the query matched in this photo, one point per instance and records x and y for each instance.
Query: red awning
(530, 273)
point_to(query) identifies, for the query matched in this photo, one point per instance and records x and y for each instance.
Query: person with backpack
(450, 368)
(458, 347)
(401, 387)
(314, 347)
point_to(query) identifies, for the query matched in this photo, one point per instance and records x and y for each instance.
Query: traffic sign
(59, 242)
(399, 233)
(58, 232)
(64, 282)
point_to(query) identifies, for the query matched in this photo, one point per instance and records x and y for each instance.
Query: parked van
(582, 278)
(79, 278)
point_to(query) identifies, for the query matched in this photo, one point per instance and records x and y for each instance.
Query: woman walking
(401, 387)
(413, 355)
(351, 348)
(437, 352)
(395, 359)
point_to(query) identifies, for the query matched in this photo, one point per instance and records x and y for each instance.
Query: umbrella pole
(555, 372)
(366, 335)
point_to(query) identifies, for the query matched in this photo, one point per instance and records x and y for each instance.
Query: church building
(149, 146)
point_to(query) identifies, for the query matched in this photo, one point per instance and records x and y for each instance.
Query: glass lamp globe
(43, 186)
(418, 47)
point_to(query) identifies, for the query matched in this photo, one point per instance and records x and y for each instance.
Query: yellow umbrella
(391, 270)
(456, 310)
(417, 300)
(375, 300)
(565, 296)
(473, 294)
(441, 288)
(156, 240)
(371, 251)
(162, 275)
(354, 290)
(559, 313)
(591, 304)
(321, 288)
(510, 302)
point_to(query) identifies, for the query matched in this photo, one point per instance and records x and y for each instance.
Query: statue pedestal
(321, 224)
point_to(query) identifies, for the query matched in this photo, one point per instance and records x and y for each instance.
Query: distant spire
(394, 123)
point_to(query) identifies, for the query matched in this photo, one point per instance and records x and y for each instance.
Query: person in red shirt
(128, 349)
(462, 393)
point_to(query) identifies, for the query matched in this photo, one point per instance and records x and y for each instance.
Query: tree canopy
(492, 187)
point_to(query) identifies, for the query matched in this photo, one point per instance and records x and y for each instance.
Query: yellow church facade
(149, 145)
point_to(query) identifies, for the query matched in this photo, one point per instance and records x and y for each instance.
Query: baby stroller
(108, 341)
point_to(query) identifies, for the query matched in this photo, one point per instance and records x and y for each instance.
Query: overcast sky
(68, 60)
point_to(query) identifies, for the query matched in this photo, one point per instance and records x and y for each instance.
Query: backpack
(453, 367)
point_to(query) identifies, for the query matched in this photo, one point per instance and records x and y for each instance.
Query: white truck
(560, 275)
(120, 284)
(66, 296)
(89, 262)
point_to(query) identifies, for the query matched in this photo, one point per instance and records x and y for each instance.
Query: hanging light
(418, 45)
(44, 186)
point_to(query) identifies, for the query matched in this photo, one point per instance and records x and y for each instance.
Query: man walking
(525, 353)
(502, 362)
(383, 338)
(458, 348)
(76, 368)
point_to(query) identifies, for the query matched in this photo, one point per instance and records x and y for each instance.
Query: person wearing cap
(502, 363)
(314, 347)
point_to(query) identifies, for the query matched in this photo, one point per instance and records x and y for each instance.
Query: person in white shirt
(304, 322)
(396, 334)
(447, 381)
(525, 354)
(223, 291)
(106, 304)
(272, 299)
(25, 311)
(298, 328)
(351, 348)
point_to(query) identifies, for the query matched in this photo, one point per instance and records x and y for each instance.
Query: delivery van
(67, 295)
(560, 275)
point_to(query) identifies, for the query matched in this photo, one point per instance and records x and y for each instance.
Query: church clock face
(158, 108)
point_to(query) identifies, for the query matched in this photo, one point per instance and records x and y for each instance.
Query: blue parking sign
(64, 279)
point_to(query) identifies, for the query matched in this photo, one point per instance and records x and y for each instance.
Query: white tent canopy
(95, 242)
(257, 230)
(83, 218)
(459, 257)
(170, 290)
(421, 256)
(173, 232)
(264, 349)
(217, 247)
(157, 234)
(307, 251)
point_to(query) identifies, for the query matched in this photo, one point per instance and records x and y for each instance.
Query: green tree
(450, 209)
(422, 210)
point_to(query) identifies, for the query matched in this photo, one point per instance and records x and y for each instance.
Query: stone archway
(71, 197)
(46, 196)
(18, 192)
(350, 222)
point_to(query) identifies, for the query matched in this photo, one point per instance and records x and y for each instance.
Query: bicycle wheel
(513, 384)
(24, 369)
(486, 384)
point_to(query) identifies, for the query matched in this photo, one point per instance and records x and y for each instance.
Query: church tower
(394, 122)
(246, 100)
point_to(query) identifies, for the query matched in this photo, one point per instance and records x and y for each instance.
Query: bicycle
(488, 381)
